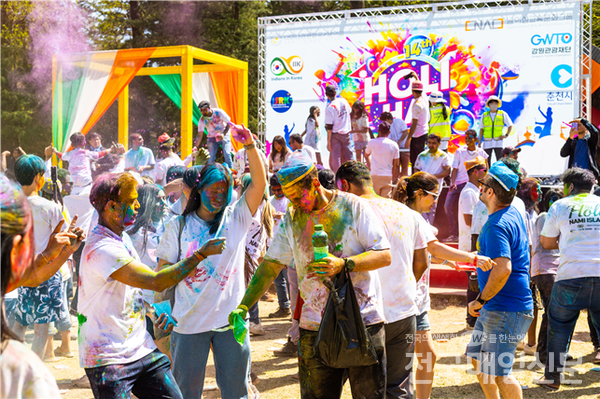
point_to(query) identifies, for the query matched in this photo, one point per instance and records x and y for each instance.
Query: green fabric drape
(69, 88)
(171, 85)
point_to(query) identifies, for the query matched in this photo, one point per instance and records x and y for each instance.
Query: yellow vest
(437, 123)
(493, 128)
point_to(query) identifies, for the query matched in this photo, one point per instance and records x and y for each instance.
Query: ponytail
(406, 189)
(445, 111)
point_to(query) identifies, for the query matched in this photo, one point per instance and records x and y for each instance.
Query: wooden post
(124, 117)
(187, 123)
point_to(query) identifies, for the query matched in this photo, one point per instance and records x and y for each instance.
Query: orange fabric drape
(124, 69)
(595, 76)
(225, 85)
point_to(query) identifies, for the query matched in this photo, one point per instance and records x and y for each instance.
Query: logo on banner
(550, 39)
(281, 101)
(562, 76)
(292, 65)
(496, 23)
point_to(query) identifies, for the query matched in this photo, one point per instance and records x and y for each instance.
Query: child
(79, 162)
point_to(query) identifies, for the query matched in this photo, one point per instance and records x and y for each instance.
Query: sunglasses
(485, 184)
(433, 194)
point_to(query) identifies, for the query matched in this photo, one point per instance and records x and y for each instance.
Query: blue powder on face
(214, 175)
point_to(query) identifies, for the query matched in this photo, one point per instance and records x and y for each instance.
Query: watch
(481, 301)
(349, 263)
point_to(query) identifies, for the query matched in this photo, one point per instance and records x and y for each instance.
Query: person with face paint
(492, 123)
(354, 242)
(22, 373)
(115, 349)
(146, 232)
(573, 227)
(214, 122)
(420, 193)
(205, 298)
(40, 304)
(504, 307)
(459, 179)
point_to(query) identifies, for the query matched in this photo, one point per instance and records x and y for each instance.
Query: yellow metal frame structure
(215, 63)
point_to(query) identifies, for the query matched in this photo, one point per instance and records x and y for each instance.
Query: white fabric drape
(202, 89)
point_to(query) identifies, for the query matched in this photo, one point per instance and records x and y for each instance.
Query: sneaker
(256, 329)
(529, 349)
(521, 345)
(451, 238)
(290, 349)
(281, 312)
(546, 383)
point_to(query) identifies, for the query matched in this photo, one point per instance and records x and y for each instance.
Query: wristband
(250, 146)
(445, 262)
(475, 261)
(44, 256)
(243, 307)
(198, 255)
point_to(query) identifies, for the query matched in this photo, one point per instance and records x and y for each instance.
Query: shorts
(41, 304)
(360, 145)
(423, 322)
(64, 322)
(495, 338)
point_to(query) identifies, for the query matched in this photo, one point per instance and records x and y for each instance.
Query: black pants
(319, 381)
(472, 293)
(417, 146)
(399, 347)
(497, 151)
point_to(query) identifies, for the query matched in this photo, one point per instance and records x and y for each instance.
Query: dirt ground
(452, 379)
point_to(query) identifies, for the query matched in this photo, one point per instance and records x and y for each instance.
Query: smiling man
(355, 242)
(115, 349)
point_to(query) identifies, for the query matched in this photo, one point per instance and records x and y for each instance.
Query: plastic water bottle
(320, 242)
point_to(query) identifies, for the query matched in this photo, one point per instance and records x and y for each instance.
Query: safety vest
(493, 128)
(437, 123)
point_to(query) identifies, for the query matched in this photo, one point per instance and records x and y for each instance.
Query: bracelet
(445, 262)
(198, 255)
(250, 146)
(475, 261)
(44, 256)
(243, 307)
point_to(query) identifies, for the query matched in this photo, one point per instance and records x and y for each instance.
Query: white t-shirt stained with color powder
(432, 163)
(112, 325)
(422, 299)
(576, 219)
(382, 151)
(204, 299)
(348, 222)
(398, 283)
(469, 197)
(420, 112)
(337, 114)
(462, 155)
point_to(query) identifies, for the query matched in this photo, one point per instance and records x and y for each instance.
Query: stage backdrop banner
(526, 55)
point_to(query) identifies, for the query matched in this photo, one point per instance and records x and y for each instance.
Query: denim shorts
(423, 322)
(495, 338)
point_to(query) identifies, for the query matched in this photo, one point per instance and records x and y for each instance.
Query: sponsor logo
(496, 23)
(562, 76)
(292, 65)
(281, 101)
(551, 38)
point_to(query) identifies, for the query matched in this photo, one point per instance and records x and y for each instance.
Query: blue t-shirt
(504, 236)
(582, 159)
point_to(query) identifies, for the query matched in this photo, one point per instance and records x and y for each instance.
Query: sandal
(546, 383)
(59, 353)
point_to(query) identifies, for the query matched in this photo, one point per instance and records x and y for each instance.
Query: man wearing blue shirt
(504, 308)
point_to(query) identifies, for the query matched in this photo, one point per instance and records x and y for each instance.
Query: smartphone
(574, 125)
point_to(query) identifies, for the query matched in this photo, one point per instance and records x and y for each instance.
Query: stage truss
(583, 43)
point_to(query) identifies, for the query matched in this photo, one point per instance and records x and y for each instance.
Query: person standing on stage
(491, 131)
(215, 124)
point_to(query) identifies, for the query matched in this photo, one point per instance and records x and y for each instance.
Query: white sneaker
(257, 329)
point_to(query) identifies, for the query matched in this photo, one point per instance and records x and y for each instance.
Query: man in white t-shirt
(491, 128)
(355, 243)
(383, 160)
(398, 134)
(214, 122)
(139, 159)
(399, 279)
(458, 180)
(169, 158)
(573, 226)
(338, 126)
(476, 169)
(297, 144)
(419, 127)
(435, 162)
(115, 349)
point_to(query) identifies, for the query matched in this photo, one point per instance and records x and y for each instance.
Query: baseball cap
(509, 150)
(503, 175)
(474, 162)
(203, 104)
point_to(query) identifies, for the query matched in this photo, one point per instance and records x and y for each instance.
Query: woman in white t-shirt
(279, 154)
(420, 193)
(311, 130)
(22, 373)
(204, 299)
(360, 129)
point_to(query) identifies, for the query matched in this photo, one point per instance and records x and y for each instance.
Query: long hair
(311, 112)
(284, 150)
(406, 189)
(524, 192)
(15, 219)
(360, 107)
(147, 197)
(550, 196)
(210, 173)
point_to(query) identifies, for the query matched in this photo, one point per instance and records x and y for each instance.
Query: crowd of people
(168, 254)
